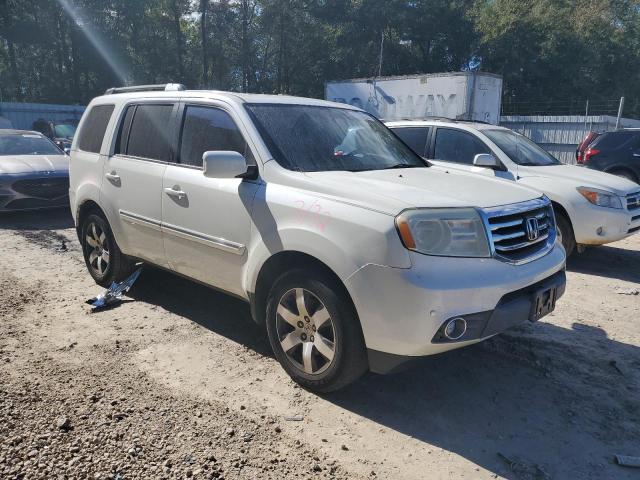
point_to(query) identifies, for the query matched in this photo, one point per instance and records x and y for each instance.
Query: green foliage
(545, 49)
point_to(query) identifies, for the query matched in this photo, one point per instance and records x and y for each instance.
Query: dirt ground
(178, 382)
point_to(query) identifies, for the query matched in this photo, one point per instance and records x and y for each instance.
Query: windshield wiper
(401, 165)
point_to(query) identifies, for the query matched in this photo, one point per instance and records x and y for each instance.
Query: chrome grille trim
(633, 201)
(508, 235)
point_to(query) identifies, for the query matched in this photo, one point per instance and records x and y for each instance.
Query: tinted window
(613, 140)
(150, 135)
(415, 137)
(315, 139)
(458, 146)
(520, 149)
(27, 144)
(207, 129)
(93, 128)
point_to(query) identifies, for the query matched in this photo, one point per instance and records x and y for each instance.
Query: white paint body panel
(224, 230)
(559, 183)
(460, 95)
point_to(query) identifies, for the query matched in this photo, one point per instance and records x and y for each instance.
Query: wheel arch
(278, 264)
(559, 208)
(86, 208)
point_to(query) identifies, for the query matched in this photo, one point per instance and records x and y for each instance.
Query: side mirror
(223, 164)
(486, 160)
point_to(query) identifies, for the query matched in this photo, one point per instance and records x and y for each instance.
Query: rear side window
(613, 140)
(415, 137)
(209, 129)
(94, 127)
(458, 146)
(150, 134)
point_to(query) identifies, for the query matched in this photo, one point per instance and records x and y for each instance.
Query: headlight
(451, 232)
(600, 197)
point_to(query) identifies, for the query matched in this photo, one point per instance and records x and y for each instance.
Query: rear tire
(104, 260)
(565, 232)
(314, 331)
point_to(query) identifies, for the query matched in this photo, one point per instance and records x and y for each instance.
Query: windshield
(64, 131)
(520, 149)
(27, 144)
(317, 139)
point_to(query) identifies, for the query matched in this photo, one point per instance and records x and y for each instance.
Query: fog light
(455, 328)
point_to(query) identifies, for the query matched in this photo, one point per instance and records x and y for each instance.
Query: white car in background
(352, 251)
(591, 207)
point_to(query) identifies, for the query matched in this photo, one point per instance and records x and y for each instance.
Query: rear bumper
(513, 309)
(34, 191)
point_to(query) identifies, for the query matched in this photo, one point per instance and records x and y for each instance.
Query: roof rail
(163, 87)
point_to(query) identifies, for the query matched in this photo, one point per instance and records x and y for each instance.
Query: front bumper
(593, 225)
(401, 310)
(34, 191)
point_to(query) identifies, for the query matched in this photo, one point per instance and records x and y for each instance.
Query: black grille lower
(48, 188)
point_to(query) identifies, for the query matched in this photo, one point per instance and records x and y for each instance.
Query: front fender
(343, 237)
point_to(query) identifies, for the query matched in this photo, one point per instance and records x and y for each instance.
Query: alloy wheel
(305, 331)
(98, 248)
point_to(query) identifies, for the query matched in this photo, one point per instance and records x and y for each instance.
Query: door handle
(179, 194)
(112, 176)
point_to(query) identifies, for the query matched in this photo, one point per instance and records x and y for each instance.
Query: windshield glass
(520, 149)
(64, 131)
(317, 139)
(27, 144)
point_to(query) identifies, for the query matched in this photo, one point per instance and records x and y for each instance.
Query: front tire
(565, 233)
(104, 260)
(314, 331)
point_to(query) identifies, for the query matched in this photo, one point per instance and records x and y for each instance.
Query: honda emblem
(532, 228)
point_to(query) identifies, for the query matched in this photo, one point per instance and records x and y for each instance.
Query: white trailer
(458, 95)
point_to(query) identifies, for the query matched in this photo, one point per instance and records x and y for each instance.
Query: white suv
(591, 207)
(348, 247)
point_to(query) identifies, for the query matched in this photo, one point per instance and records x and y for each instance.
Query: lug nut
(300, 324)
(303, 337)
(311, 338)
(313, 328)
(307, 319)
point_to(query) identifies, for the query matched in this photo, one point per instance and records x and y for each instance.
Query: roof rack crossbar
(163, 87)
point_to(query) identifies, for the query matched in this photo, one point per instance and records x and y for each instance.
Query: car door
(132, 188)
(207, 221)
(454, 148)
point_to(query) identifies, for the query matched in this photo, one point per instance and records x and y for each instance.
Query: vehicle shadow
(607, 261)
(537, 402)
(219, 312)
(516, 405)
(54, 219)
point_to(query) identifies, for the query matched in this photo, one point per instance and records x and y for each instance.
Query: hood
(582, 177)
(13, 164)
(391, 191)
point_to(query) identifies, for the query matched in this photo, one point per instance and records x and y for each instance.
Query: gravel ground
(177, 382)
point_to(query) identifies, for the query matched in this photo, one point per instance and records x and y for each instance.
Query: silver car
(34, 172)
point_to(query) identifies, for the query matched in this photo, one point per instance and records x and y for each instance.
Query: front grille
(633, 201)
(513, 240)
(46, 187)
